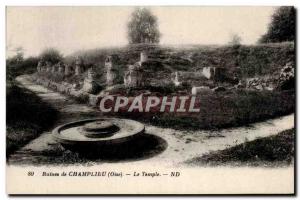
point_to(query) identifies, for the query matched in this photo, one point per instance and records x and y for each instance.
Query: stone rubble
(287, 77)
(147, 72)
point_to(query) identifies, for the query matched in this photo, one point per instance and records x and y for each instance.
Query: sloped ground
(27, 116)
(272, 151)
(253, 60)
(160, 146)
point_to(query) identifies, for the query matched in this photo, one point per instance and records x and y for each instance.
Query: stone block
(197, 90)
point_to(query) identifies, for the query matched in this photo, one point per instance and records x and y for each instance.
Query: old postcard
(150, 100)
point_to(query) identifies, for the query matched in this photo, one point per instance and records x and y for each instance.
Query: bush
(282, 27)
(26, 66)
(51, 55)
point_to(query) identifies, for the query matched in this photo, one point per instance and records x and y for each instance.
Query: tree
(143, 27)
(235, 39)
(51, 55)
(19, 54)
(18, 57)
(282, 26)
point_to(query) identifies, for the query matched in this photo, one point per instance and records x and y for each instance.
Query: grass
(26, 117)
(223, 109)
(252, 60)
(271, 151)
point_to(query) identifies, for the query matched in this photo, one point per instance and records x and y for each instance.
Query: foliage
(51, 55)
(19, 57)
(235, 39)
(143, 27)
(282, 26)
(26, 66)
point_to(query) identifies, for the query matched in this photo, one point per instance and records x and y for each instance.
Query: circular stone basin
(99, 128)
(99, 125)
(103, 131)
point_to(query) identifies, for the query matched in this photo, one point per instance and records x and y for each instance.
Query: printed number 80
(30, 173)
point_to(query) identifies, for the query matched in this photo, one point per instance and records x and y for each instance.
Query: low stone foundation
(68, 89)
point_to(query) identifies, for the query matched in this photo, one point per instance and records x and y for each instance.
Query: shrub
(51, 55)
(282, 27)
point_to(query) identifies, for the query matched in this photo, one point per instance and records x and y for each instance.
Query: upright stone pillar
(48, 67)
(208, 72)
(91, 74)
(112, 75)
(39, 66)
(134, 76)
(175, 79)
(68, 70)
(61, 68)
(53, 70)
(78, 67)
(143, 56)
(89, 83)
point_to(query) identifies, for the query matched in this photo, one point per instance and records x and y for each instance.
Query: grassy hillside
(26, 114)
(222, 110)
(277, 150)
(26, 117)
(252, 60)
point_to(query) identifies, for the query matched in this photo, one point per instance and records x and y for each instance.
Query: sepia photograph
(200, 97)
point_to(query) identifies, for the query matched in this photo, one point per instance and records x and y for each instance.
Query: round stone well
(95, 134)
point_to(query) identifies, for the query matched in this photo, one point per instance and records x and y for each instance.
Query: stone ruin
(54, 68)
(68, 70)
(61, 68)
(134, 76)
(207, 76)
(89, 84)
(215, 73)
(191, 78)
(78, 67)
(64, 70)
(205, 80)
(139, 74)
(207, 72)
(287, 77)
(175, 79)
(284, 81)
(147, 72)
(39, 67)
(112, 71)
(260, 83)
(196, 90)
(48, 67)
(143, 57)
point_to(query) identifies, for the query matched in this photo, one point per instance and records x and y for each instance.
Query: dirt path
(169, 147)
